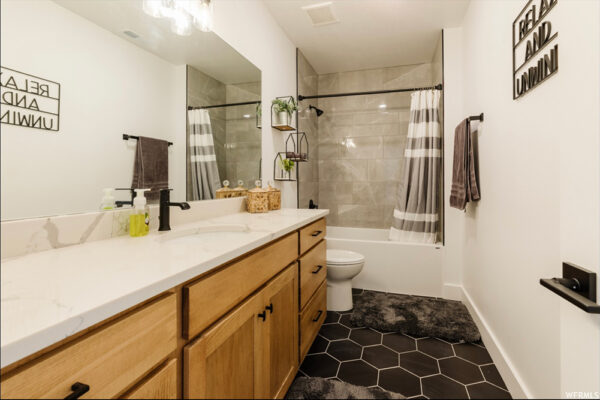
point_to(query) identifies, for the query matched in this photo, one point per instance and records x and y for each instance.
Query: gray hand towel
(151, 166)
(464, 175)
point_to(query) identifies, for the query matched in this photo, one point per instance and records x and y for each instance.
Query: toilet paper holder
(577, 285)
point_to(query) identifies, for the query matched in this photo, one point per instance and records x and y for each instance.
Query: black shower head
(318, 110)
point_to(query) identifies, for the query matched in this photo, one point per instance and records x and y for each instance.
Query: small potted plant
(286, 165)
(284, 109)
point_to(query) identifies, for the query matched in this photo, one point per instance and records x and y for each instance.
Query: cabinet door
(281, 302)
(224, 361)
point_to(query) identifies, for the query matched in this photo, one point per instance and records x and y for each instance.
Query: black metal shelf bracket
(476, 118)
(585, 281)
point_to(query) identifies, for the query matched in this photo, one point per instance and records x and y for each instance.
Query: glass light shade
(153, 8)
(203, 15)
(181, 23)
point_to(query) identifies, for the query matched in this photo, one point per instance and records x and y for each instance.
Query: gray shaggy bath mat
(414, 315)
(320, 388)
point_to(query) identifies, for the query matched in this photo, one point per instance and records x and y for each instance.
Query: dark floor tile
(321, 365)
(442, 387)
(380, 356)
(491, 374)
(475, 354)
(357, 291)
(358, 373)
(484, 390)
(435, 348)
(319, 345)
(399, 342)
(300, 374)
(344, 350)
(365, 337)
(345, 320)
(399, 381)
(334, 331)
(418, 363)
(332, 317)
(461, 370)
(334, 379)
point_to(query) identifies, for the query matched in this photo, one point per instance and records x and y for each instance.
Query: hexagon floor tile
(413, 367)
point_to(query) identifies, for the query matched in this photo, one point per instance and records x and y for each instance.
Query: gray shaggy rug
(414, 315)
(320, 388)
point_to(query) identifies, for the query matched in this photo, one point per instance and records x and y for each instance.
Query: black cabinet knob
(270, 308)
(316, 233)
(316, 271)
(79, 389)
(263, 315)
(318, 316)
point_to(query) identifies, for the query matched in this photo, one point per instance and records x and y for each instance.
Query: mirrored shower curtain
(203, 161)
(417, 215)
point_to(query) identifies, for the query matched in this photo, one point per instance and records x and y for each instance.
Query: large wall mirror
(117, 71)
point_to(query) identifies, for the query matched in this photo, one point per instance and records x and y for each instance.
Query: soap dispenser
(139, 220)
(108, 201)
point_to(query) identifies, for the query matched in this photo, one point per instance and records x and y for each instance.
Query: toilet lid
(344, 257)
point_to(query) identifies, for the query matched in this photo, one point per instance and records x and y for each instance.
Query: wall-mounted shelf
(279, 173)
(296, 147)
(283, 121)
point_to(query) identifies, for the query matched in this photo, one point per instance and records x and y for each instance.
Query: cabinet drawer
(312, 318)
(161, 384)
(312, 234)
(109, 359)
(313, 271)
(210, 298)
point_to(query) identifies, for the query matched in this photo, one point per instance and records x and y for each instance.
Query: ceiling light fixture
(382, 106)
(184, 14)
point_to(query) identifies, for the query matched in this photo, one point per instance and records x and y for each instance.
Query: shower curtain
(203, 161)
(416, 216)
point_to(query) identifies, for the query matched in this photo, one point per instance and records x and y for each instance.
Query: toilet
(342, 266)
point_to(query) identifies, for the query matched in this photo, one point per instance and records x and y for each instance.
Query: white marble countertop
(50, 295)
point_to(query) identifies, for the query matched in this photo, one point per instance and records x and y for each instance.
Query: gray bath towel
(465, 186)
(151, 166)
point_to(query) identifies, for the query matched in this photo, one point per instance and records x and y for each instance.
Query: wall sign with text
(535, 51)
(29, 101)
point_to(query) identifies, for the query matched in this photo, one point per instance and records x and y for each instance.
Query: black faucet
(165, 209)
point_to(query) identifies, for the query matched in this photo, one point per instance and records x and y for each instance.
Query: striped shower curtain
(203, 161)
(416, 216)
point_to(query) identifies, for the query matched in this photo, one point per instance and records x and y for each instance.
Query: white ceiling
(370, 33)
(204, 51)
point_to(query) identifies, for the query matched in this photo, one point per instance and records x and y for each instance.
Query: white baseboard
(513, 381)
(452, 291)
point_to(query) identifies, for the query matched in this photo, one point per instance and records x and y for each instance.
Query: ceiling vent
(131, 34)
(321, 14)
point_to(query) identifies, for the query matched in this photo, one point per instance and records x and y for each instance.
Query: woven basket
(274, 198)
(257, 199)
(225, 192)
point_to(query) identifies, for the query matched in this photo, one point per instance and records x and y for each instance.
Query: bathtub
(391, 266)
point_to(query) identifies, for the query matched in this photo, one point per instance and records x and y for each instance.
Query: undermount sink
(207, 233)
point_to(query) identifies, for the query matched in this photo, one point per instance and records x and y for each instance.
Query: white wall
(539, 172)
(249, 28)
(108, 87)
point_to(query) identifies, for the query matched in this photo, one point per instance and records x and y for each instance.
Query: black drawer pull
(318, 316)
(316, 233)
(263, 315)
(78, 389)
(270, 308)
(316, 271)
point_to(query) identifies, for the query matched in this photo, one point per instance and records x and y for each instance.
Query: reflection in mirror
(112, 70)
(224, 138)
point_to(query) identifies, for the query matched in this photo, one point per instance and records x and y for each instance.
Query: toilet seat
(344, 257)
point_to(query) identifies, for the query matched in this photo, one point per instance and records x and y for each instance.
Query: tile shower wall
(203, 90)
(237, 139)
(361, 141)
(308, 172)
(243, 138)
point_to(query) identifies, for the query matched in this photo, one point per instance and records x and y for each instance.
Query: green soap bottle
(139, 220)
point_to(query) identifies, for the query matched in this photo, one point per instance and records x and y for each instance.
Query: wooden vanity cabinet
(252, 351)
(239, 331)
